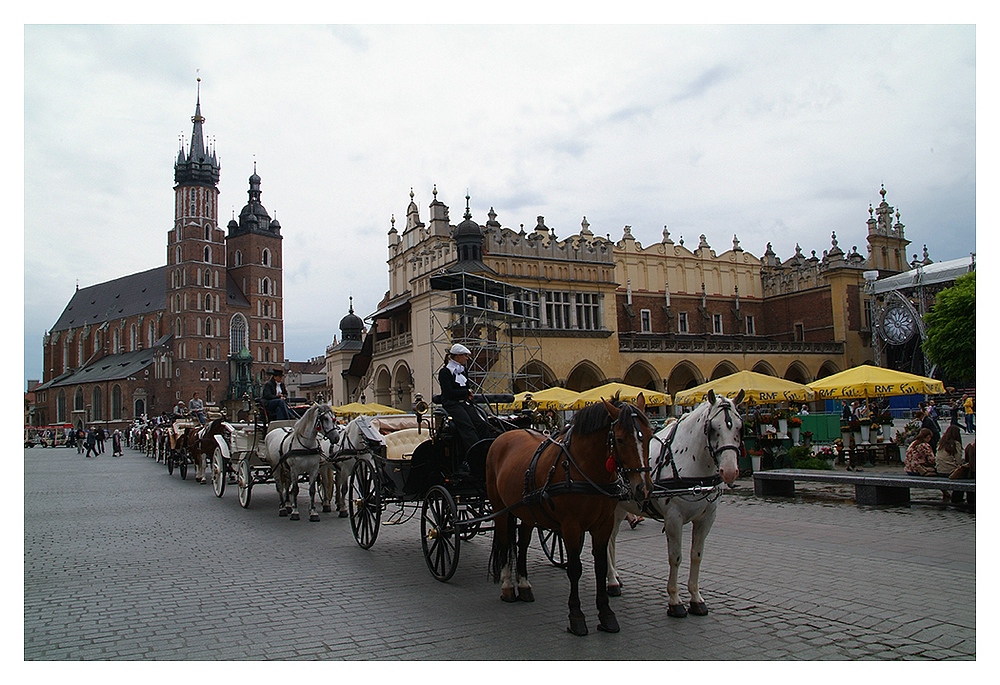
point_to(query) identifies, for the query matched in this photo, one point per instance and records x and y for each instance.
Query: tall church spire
(199, 166)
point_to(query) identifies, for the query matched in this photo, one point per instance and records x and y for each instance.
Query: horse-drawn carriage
(281, 451)
(423, 468)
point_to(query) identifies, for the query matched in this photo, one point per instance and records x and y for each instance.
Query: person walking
(99, 434)
(930, 424)
(91, 442)
(116, 443)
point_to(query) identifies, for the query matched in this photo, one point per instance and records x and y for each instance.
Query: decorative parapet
(727, 345)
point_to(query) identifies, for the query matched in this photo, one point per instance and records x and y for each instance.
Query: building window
(265, 257)
(208, 303)
(61, 407)
(588, 311)
(751, 330)
(97, 412)
(208, 255)
(238, 258)
(116, 402)
(800, 333)
(208, 233)
(645, 321)
(237, 333)
(267, 332)
(682, 322)
(265, 286)
(717, 323)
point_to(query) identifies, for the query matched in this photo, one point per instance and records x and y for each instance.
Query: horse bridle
(714, 452)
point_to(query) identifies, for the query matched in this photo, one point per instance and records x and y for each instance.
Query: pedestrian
(116, 443)
(99, 433)
(969, 405)
(81, 439)
(91, 441)
(954, 410)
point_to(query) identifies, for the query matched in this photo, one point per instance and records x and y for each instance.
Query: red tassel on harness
(611, 464)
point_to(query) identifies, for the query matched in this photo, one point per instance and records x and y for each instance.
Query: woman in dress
(919, 459)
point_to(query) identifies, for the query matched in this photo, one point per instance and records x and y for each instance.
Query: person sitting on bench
(274, 396)
(456, 398)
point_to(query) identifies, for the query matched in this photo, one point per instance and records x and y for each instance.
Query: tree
(951, 330)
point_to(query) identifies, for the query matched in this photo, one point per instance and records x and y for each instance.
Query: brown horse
(569, 483)
(200, 443)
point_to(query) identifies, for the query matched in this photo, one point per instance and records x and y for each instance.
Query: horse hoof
(525, 594)
(327, 508)
(577, 626)
(614, 591)
(313, 517)
(294, 517)
(676, 611)
(508, 595)
(608, 624)
(342, 515)
(699, 609)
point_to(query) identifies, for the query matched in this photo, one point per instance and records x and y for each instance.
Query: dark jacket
(451, 391)
(270, 391)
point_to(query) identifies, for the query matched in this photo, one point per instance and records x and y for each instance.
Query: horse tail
(504, 543)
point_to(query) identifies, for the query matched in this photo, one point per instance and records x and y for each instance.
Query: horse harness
(302, 451)
(678, 484)
(538, 497)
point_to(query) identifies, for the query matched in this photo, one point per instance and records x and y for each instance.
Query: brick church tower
(196, 268)
(253, 244)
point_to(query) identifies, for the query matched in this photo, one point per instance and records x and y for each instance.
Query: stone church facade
(209, 320)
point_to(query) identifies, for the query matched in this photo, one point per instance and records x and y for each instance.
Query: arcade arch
(683, 376)
(584, 376)
(534, 376)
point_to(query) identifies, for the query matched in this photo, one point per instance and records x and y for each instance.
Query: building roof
(131, 295)
(927, 274)
(113, 367)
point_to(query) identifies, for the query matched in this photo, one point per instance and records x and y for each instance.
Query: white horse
(300, 450)
(698, 453)
(359, 437)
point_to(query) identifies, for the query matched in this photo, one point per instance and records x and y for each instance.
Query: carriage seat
(390, 424)
(400, 444)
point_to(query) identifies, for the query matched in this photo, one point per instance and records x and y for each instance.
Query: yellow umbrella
(550, 398)
(356, 408)
(759, 388)
(873, 381)
(627, 393)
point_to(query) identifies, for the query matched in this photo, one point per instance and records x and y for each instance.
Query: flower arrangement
(884, 418)
(826, 452)
(865, 421)
(755, 453)
(855, 426)
(794, 422)
(807, 436)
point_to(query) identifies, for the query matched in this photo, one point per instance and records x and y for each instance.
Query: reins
(678, 484)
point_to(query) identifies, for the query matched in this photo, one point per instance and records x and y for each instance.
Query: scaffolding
(497, 321)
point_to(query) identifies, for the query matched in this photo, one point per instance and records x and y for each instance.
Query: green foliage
(801, 457)
(951, 330)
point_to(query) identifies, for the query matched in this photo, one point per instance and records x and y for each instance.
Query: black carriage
(433, 476)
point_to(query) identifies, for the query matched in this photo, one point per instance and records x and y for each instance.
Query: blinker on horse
(570, 483)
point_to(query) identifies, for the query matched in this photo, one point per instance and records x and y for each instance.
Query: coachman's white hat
(459, 349)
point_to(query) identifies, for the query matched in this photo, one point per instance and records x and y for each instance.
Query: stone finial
(585, 228)
(666, 237)
(627, 233)
(736, 244)
(703, 242)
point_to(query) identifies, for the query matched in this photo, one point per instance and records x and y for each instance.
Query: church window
(133, 339)
(116, 402)
(267, 332)
(265, 257)
(204, 374)
(151, 338)
(208, 327)
(238, 258)
(78, 400)
(177, 255)
(267, 355)
(267, 308)
(208, 232)
(208, 254)
(265, 287)
(208, 278)
(208, 303)
(61, 407)
(208, 394)
(97, 410)
(237, 333)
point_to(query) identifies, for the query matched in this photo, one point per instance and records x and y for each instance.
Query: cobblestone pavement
(125, 562)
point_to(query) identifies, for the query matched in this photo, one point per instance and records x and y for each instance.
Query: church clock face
(898, 325)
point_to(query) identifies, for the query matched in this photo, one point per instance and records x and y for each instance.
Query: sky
(778, 134)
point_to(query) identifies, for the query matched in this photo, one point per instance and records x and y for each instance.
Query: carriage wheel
(467, 512)
(364, 504)
(170, 464)
(183, 466)
(218, 472)
(244, 481)
(553, 547)
(439, 533)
